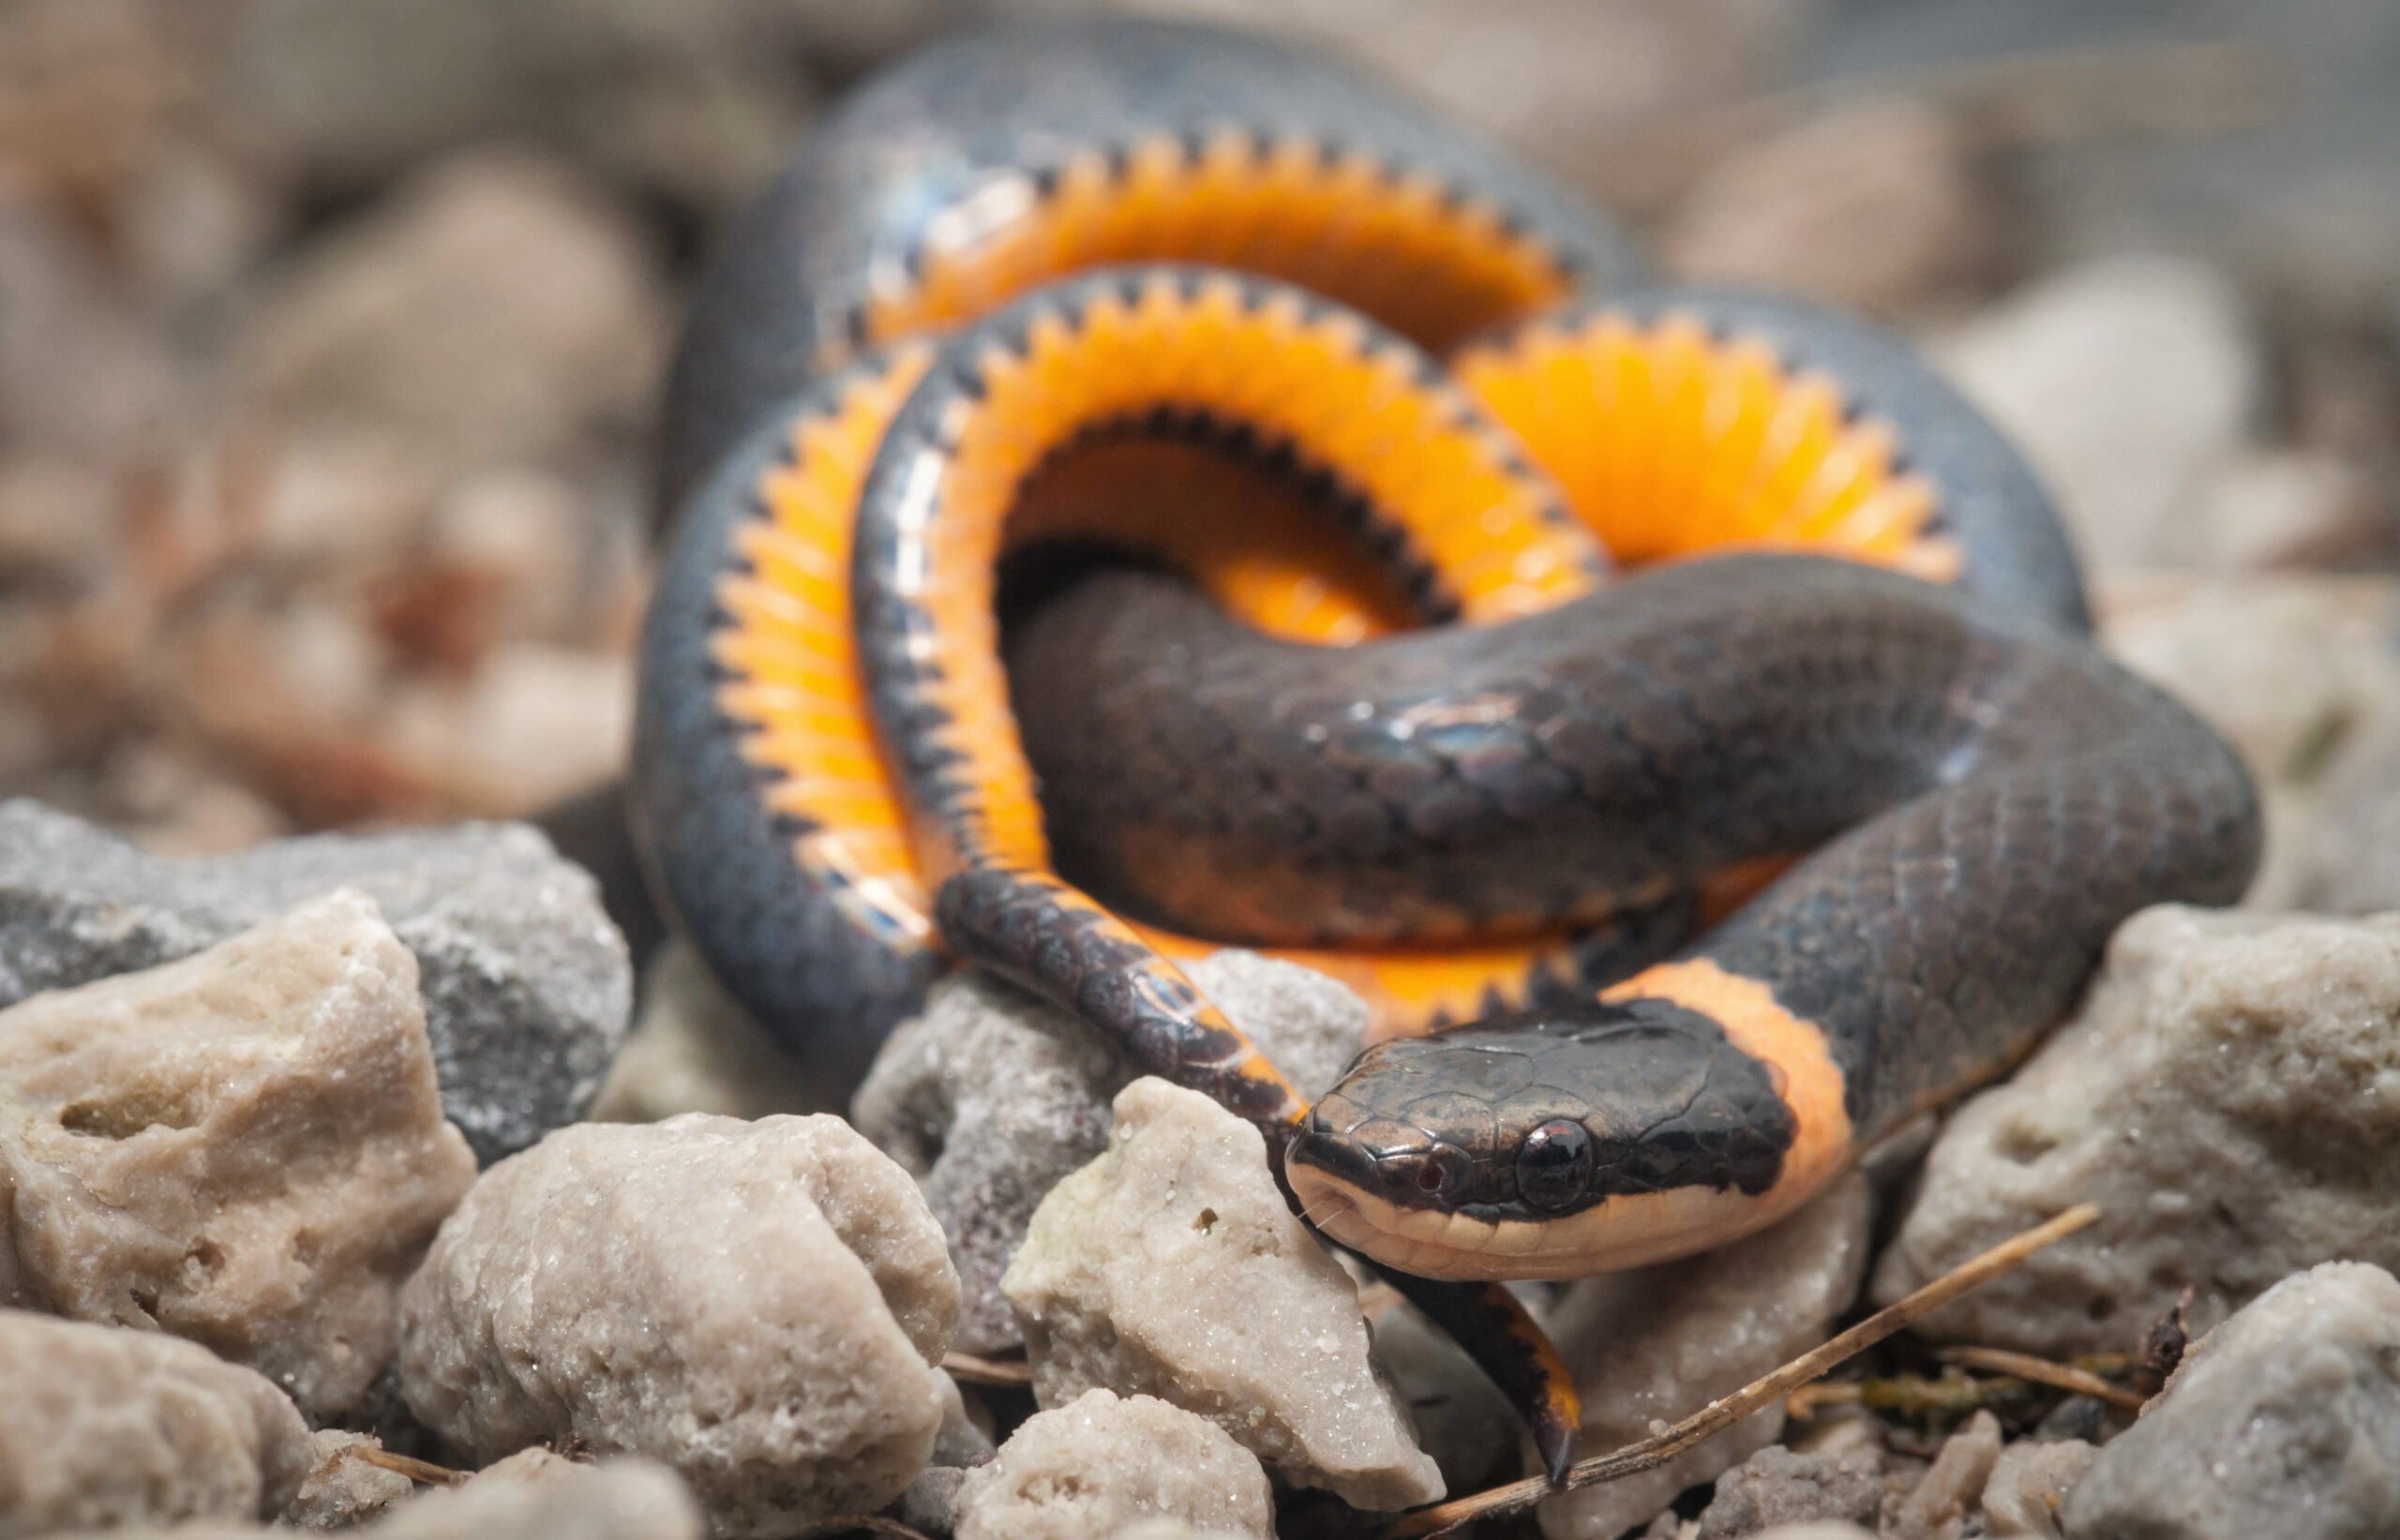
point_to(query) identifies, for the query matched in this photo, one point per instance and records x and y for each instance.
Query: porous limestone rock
(549, 1498)
(244, 1147)
(1654, 1344)
(2283, 1421)
(527, 985)
(759, 1306)
(1781, 1486)
(1170, 1529)
(342, 1490)
(2229, 1097)
(1100, 1464)
(2028, 1485)
(104, 1426)
(1172, 1265)
(991, 1095)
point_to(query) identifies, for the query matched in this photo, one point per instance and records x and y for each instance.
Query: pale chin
(1628, 1231)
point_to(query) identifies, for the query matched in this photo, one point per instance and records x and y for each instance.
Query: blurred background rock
(330, 330)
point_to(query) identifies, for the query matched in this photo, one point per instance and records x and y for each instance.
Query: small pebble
(1101, 1463)
(342, 1490)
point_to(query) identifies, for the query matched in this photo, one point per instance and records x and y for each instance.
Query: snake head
(1548, 1143)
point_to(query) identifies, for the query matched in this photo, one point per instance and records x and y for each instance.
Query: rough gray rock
(2283, 1421)
(2029, 1482)
(104, 1426)
(1656, 1344)
(991, 1095)
(1173, 1266)
(527, 986)
(1099, 1464)
(341, 1490)
(1780, 1485)
(243, 1147)
(759, 1306)
(2229, 1095)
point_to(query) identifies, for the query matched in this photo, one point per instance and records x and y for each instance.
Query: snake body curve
(1326, 372)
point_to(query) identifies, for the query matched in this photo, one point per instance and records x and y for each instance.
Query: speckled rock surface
(2283, 1421)
(2028, 1484)
(1171, 1266)
(527, 986)
(990, 1096)
(2229, 1095)
(1657, 1343)
(548, 1497)
(758, 1305)
(244, 1147)
(341, 1490)
(103, 1425)
(1781, 1486)
(1101, 1463)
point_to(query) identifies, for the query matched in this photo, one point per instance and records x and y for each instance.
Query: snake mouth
(1328, 1175)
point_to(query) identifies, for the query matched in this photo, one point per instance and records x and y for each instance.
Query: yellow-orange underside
(1666, 440)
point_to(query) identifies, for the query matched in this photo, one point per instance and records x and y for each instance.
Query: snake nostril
(1428, 1177)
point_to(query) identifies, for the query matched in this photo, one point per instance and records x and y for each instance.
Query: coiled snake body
(1296, 441)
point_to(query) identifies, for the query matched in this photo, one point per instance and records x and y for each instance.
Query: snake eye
(1554, 1165)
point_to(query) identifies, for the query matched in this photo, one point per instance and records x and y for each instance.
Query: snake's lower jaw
(1628, 1230)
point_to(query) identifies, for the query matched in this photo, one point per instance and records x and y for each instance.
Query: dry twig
(846, 1523)
(2024, 1365)
(415, 1470)
(1443, 1517)
(969, 1369)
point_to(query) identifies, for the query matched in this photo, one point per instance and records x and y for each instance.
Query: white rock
(2127, 381)
(342, 1490)
(2283, 1421)
(536, 725)
(490, 306)
(106, 1426)
(1954, 1487)
(2265, 508)
(245, 1147)
(2296, 671)
(1870, 205)
(1172, 1266)
(2029, 1482)
(759, 1306)
(1653, 1345)
(1100, 1464)
(547, 1498)
(2229, 1095)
